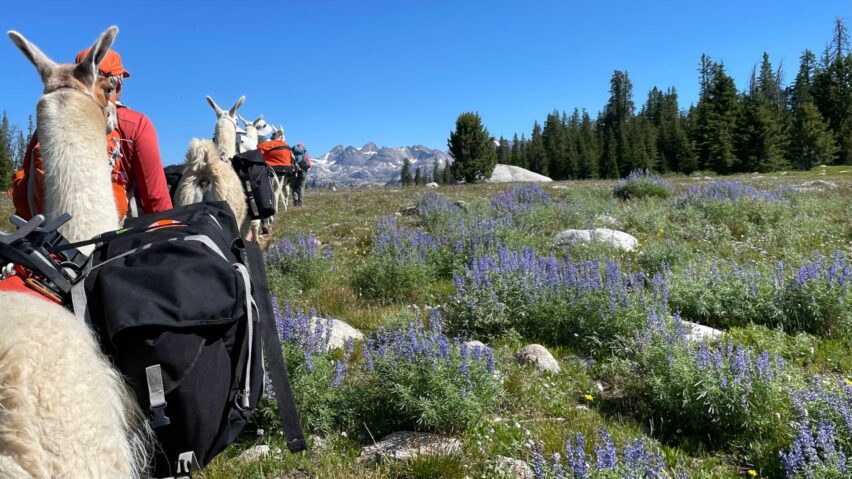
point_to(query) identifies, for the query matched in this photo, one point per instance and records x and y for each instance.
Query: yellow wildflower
(752, 473)
(848, 381)
(588, 397)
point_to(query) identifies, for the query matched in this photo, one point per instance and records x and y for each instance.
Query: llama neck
(77, 175)
(251, 133)
(226, 138)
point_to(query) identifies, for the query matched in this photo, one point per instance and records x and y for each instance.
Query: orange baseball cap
(110, 65)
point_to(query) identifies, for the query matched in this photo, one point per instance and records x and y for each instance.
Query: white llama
(64, 411)
(209, 175)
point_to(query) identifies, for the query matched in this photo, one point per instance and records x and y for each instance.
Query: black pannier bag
(180, 302)
(258, 182)
(173, 175)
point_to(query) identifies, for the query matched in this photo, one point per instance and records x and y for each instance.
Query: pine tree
(504, 152)
(7, 152)
(515, 158)
(405, 174)
(609, 156)
(436, 172)
(714, 119)
(535, 151)
(522, 155)
(553, 148)
(760, 139)
(418, 177)
(588, 148)
(811, 142)
(800, 91)
(617, 115)
(832, 91)
(474, 156)
(447, 175)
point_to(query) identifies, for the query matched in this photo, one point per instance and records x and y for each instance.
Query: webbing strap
(277, 369)
(156, 396)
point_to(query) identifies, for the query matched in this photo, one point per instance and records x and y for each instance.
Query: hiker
(138, 170)
(303, 164)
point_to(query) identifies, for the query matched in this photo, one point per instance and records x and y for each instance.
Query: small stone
(410, 211)
(462, 205)
(539, 357)
(475, 344)
(340, 332)
(253, 453)
(511, 467)
(614, 238)
(698, 332)
(431, 185)
(406, 445)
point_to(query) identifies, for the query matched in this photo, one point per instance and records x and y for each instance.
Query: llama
(64, 411)
(209, 175)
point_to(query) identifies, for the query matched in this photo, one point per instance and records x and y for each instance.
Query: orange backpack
(276, 153)
(28, 182)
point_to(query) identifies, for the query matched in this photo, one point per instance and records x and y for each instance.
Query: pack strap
(277, 369)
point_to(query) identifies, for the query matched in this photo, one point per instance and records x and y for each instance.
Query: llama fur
(209, 178)
(64, 411)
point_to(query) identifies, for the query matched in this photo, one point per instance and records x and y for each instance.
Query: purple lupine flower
(339, 374)
(605, 452)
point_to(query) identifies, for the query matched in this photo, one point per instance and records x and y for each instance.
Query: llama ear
(43, 64)
(239, 103)
(89, 65)
(240, 117)
(215, 106)
(257, 120)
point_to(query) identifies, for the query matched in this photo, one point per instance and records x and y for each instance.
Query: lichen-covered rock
(539, 357)
(406, 445)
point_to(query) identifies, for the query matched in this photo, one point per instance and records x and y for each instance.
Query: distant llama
(248, 141)
(209, 175)
(64, 411)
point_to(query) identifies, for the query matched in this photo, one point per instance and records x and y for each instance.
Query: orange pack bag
(276, 153)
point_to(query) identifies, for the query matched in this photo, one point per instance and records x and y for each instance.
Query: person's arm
(148, 173)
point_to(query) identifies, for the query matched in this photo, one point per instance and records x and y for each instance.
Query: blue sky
(399, 72)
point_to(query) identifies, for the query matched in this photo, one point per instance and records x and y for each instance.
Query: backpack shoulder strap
(287, 412)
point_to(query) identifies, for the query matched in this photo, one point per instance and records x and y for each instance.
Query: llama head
(81, 77)
(225, 132)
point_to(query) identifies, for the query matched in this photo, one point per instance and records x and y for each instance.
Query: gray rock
(511, 467)
(462, 205)
(539, 357)
(616, 239)
(410, 211)
(340, 332)
(511, 173)
(821, 185)
(431, 185)
(405, 446)
(698, 332)
(253, 453)
(475, 344)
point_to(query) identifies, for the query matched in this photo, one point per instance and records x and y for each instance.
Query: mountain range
(372, 165)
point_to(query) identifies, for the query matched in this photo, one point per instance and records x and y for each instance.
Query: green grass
(542, 407)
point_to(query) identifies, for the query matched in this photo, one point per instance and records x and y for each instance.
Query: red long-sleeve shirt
(142, 160)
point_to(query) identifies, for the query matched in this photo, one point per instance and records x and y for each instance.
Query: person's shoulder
(132, 120)
(125, 112)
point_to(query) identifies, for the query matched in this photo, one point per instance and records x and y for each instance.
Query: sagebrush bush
(642, 184)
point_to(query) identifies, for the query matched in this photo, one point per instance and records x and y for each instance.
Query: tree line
(440, 174)
(13, 145)
(766, 127)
